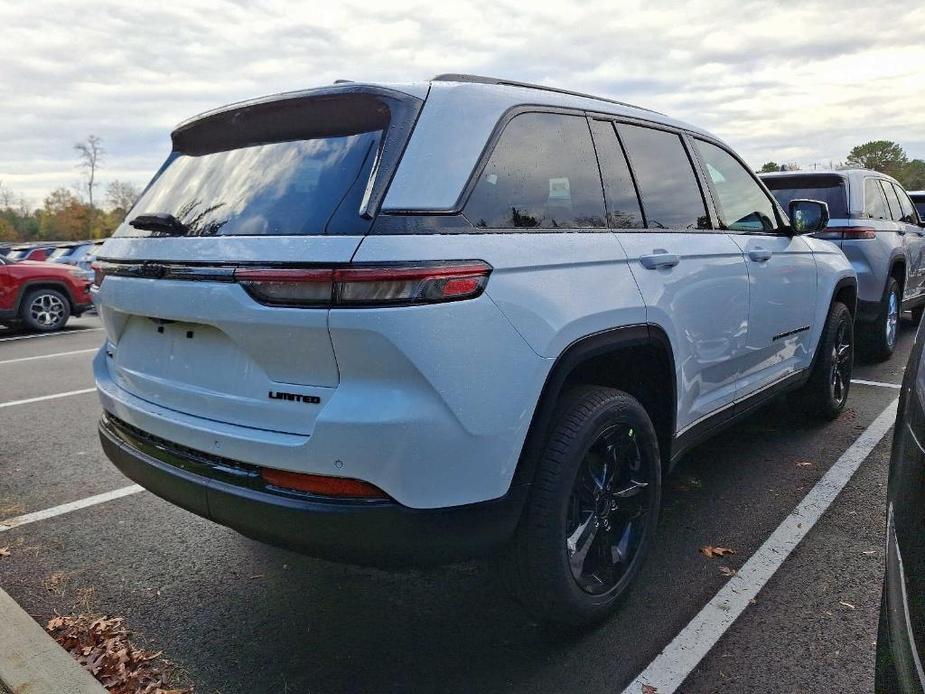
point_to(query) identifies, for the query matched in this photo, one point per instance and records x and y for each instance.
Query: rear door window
(542, 174)
(892, 200)
(743, 205)
(874, 201)
(623, 210)
(671, 196)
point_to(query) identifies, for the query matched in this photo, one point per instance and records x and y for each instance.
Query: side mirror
(808, 216)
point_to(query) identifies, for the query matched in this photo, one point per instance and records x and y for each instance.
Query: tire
(880, 338)
(584, 512)
(45, 310)
(826, 391)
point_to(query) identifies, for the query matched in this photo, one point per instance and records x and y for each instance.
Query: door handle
(760, 255)
(659, 258)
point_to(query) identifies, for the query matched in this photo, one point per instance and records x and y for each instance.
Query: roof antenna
(342, 81)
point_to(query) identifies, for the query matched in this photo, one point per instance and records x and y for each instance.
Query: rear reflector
(322, 484)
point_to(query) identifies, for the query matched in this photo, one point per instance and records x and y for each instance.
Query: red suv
(41, 296)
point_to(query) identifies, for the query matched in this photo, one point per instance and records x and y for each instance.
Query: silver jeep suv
(392, 323)
(877, 226)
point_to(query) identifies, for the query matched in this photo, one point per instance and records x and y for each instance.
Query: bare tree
(121, 195)
(7, 196)
(90, 155)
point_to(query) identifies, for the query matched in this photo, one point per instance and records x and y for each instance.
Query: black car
(902, 612)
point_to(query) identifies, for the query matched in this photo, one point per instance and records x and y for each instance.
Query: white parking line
(11, 403)
(861, 381)
(57, 334)
(688, 648)
(11, 523)
(48, 356)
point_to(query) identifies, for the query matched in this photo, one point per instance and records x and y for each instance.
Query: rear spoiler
(338, 111)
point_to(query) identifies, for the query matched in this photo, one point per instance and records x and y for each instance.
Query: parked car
(80, 255)
(388, 324)
(901, 633)
(36, 253)
(918, 199)
(876, 225)
(41, 296)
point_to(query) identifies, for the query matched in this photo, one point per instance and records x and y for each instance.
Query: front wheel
(592, 511)
(45, 310)
(826, 392)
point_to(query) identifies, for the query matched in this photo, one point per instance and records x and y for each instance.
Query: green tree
(912, 175)
(879, 155)
(770, 167)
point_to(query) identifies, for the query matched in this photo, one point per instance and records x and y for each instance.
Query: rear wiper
(163, 221)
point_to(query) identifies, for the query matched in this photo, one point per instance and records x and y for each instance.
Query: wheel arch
(637, 359)
(30, 285)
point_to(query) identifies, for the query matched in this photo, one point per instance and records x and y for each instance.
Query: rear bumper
(356, 531)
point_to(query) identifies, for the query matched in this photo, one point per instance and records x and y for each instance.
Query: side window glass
(743, 205)
(874, 201)
(671, 197)
(892, 201)
(623, 211)
(908, 209)
(542, 174)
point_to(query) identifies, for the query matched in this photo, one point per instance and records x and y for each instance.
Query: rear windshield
(277, 189)
(919, 201)
(60, 252)
(303, 166)
(828, 189)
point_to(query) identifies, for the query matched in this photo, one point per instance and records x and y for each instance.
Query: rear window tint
(623, 211)
(542, 174)
(280, 188)
(919, 202)
(671, 197)
(828, 189)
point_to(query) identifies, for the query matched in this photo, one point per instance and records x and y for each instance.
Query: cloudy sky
(795, 80)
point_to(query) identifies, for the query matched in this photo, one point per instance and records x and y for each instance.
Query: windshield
(15, 255)
(828, 189)
(60, 253)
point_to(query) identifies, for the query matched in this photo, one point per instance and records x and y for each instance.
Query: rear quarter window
(874, 201)
(542, 174)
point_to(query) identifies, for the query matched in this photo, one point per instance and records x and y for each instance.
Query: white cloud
(787, 80)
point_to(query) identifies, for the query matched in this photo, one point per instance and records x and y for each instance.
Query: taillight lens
(852, 233)
(380, 285)
(98, 273)
(859, 233)
(322, 484)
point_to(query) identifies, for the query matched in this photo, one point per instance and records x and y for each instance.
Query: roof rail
(479, 79)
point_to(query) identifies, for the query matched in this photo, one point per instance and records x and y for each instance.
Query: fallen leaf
(804, 463)
(869, 552)
(102, 647)
(649, 689)
(848, 605)
(726, 571)
(709, 551)
(4, 551)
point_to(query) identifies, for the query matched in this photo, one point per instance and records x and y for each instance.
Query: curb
(31, 662)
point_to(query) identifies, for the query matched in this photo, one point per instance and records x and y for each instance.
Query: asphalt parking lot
(238, 616)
